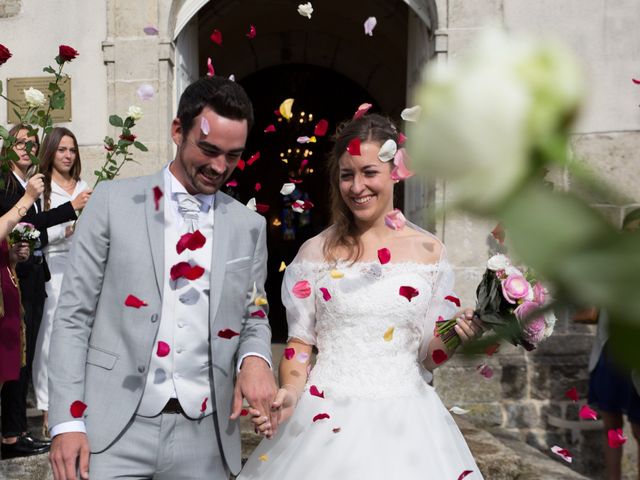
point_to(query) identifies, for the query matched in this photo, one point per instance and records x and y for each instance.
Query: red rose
(5, 54)
(67, 53)
(130, 138)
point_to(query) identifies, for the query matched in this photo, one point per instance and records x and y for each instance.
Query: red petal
(616, 438)
(321, 416)
(408, 292)
(258, 187)
(227, 333)
(572, 394)
(439, 356)
(191, 241)
(362, 109)
(464, 474)
(453, 299)
(77, 409)
(157, 195)
(241, 164)
(216, 37)
(252, 32)
(336, 430)
(321, 128)
(485, 370)
(313, 390)
(289, 353)
(354, 147)
(325, 294)
(302, 289)
(210, 71)
(307, 205)
(293, 180)
(203, 407)
(401, 138)
(253, 158)
(163, 349)
(244, 412)
(491, 349)
(184, 269)
(262, 208)
(258, 314)
(232, 183)
(135, 302)
(562, 453)
(270, 129)
(587, 413)
(637, 82)
(384, 255)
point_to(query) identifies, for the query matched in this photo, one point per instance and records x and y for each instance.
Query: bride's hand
(469, 326)
(284, 403)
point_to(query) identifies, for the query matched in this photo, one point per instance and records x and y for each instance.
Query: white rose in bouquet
(34, 97)
(498, 262)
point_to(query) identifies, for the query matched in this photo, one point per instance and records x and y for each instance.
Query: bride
(367, 296)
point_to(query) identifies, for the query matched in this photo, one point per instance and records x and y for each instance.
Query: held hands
(469, 326)
(284, 403)
(35, 187)
(81, 200)
(69, 453)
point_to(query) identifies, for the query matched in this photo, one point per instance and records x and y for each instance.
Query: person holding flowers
(367, 293)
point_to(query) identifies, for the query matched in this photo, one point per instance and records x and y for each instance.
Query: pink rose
(539, 293)
(515, 287)
(534, 326)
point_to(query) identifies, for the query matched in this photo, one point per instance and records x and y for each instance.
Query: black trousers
(14, 393)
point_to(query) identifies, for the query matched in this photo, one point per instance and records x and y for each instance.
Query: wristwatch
(22, 211)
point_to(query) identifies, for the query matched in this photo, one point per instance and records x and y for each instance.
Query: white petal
(459, 411)
(287, 188)
(232, 77)
(369, 25)
(411, 114)
(303, 139)
(388, 150)
(204, 126)
(145, 92)
(251, 204)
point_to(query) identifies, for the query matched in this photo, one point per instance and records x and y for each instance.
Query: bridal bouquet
(24, 232)
(508, 300)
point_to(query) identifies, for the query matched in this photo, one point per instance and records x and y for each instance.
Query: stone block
(550, 381)
(465, 385)
(136, 59)
(514, 382)
(128, 19)
(468, 240)
(466, 14)
(10, 8)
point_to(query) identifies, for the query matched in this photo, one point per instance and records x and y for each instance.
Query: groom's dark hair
(226, 97)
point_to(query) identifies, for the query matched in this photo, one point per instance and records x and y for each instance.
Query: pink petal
(253, 158)
(572, 394)
(485, 370)
(408, 292)
(384, 255)
(587, 413)
(216, 37)
(439, 356)
(241, 165)
(354, 147)
(145, 92)
(400, 172)
(369, 25)
(270, 129)
(562, 453)
(210, 71)
(464, 474)
(325, 294)
(135, 302)
(289, 353)
(395, 220)
(258, 187)
(151, 30)
(321, 128)
(77, 409)
(321, 416)
(302, 289)
(616, 438)
(262, 207)
(203, 407)
(252, 32)
(204, 126)
(157, 195)
(453, 299)
(637, 82)
(294, 180)
(401, 138)
(362, 109)
(313, 390)
(227, 333)
(302, 357)
(163, 349)
(232, 183)
(303, 139)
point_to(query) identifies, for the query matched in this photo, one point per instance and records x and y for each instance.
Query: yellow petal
(263, 458)
(313, 139)
(336, 274)
(285, 108)
(282, 267)
(260, 301)
(388, 335)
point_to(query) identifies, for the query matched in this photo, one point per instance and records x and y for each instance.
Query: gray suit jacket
(101, 349)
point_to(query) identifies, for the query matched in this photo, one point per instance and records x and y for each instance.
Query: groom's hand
(257, 384)
(69, 454)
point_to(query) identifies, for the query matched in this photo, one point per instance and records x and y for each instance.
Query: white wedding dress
(383, 420)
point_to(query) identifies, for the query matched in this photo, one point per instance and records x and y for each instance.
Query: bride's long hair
(344, 234)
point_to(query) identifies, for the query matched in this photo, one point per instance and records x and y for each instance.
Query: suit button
(154, 318)
(141, 368)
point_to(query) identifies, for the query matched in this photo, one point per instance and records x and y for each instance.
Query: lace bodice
(370, 338)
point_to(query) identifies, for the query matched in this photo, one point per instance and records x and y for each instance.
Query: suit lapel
(155, 226)
(219, 253)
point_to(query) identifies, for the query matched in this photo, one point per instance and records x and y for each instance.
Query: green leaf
(116, 121)
(4, 133)
(12, 155)
(49, 70)
(53, 87)
(140, 146)
(128, 122)
(34, 159)
(48, 129)
(57, 100)
(0, 87)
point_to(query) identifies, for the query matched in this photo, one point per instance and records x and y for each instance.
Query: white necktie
(189, 207)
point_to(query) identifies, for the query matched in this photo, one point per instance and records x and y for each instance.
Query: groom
(162, 309)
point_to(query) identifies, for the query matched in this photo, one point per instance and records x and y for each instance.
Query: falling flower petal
(145, 92)
(411, 114)
(184, 269)
(232, 77)
(253, 158)
(244, 412)
(191, 241)
(252, 32)
(321, 128)
(298, 206)
(400, 172)
(408, 292)
(204, 126)
(302, 357)
(210, 71)
(294, 180)
(384, 255)
(258, 314)
(491, 349)
(401, 138)
(203, 407)
(303, 163)
(216, 37)
(263, 457)
(498, 233)
(454, 300)
(77, 409)
(562, 453)
(285, 108)
(260, 301)
(387, 151)
(485, 370)
(227, 333)
(151, 30)
(258, 187)
(588, 413)
(325, 294)
(336, 274)
(303, 139)
(439, 356)
(354, 147)
(459, 411)
(616, 438)
(313, 390)
(637, 82)
(135, 302)
(251, 204)
(157, 195)
(336, 430)
(289, 353)
(395, 220)
(270, 129)
(163, 349)
(262, 207)
(287, 188)
(388, 335)
(282, 267)
(464, 474)
(241, 165)
(369, 25)
(305, 9)
(232, 183)
(321, 416)
(362, 109)
(572, 394)
(302, 289)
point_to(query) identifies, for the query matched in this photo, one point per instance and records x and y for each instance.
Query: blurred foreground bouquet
(25, 232)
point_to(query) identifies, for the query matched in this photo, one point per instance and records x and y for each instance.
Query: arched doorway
(329, 66)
